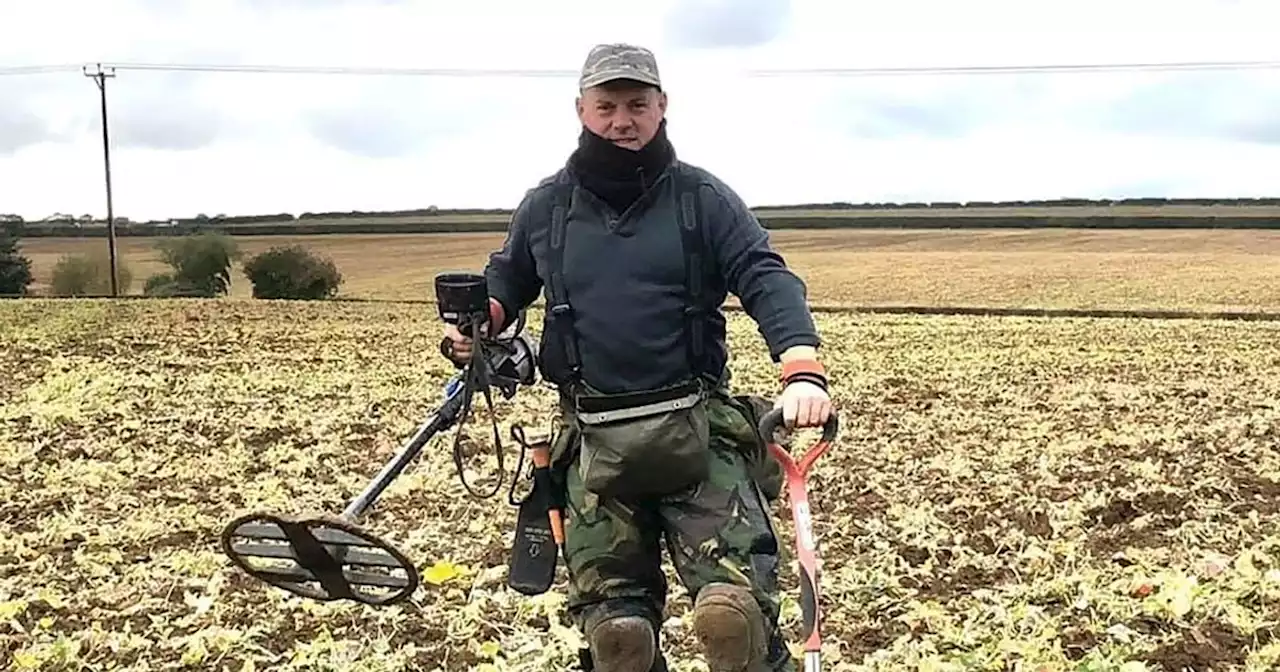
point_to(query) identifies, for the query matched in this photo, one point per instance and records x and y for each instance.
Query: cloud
(926, 107)
(167, 129)
(312, 4)
(368, 142)
(1236, 106)
(372, 131)
(725, 23)
(24, 121)
(398, 117)
(20, 123)
(1261, 131)
(164, 112)
(1227, 106)
(19, 128)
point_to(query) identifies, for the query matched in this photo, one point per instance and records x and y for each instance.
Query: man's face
(627, 113)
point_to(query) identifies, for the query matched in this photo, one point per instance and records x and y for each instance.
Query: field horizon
(1192, 270)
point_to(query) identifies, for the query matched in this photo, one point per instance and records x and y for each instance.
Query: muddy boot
(622, 644)
(780, 659)
(729, 625)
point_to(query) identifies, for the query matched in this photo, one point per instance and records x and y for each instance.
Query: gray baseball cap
(609, 62)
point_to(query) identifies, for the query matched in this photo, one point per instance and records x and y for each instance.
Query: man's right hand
(460, 345)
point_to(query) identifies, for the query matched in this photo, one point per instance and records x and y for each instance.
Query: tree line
(199, 264)
(771, 223)
(494, 219)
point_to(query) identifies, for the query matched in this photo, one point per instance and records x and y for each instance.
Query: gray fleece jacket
(625, 278)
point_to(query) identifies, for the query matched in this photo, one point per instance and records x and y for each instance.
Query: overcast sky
(234, 143)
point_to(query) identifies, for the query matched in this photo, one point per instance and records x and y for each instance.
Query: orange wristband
(811, 366)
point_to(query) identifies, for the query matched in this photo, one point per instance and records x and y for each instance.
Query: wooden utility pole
(99, 76)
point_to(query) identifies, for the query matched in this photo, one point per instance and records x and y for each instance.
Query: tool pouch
(644, 444)
(534, 554)
(764, 467)
(535, 547)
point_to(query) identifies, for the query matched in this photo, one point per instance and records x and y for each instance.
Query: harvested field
(1005, 494)
(1202, 270)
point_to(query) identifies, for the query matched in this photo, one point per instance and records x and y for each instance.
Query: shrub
(89, 275)
(201, 266)
(15, 269)
(292, 273)
(162, 284)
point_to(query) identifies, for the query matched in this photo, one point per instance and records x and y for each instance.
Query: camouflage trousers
(717, 531)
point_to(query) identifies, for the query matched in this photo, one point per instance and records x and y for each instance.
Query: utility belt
(627, 446)
(640, 444)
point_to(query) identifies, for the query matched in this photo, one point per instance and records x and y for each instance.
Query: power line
(36, 69)
(1015, 69)
(1073, 68)
(349, 70)
(797, 72)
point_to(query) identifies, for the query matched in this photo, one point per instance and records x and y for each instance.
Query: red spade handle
(806, 541)
(772, 421)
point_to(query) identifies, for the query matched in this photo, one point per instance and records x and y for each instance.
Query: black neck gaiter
(617, 175)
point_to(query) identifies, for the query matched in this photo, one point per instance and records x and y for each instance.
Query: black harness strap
(560, 313)
(690, 222)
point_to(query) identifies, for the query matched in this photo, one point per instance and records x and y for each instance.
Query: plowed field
(1005, 494)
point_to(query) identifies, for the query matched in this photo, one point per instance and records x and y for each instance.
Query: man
(678, 457)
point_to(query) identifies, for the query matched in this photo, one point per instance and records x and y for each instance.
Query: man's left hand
(804, 405)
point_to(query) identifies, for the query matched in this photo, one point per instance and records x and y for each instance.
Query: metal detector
(330, 557)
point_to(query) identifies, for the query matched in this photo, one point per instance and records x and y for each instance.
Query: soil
(1208, 647)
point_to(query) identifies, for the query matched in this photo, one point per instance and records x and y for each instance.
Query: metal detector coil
(320, 558)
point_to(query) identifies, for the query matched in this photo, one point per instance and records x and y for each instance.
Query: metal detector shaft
(443, 418)
(327, 558)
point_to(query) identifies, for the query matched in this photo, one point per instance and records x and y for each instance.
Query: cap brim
(630, 75)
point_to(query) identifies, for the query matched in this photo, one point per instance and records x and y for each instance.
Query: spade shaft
(796, 472)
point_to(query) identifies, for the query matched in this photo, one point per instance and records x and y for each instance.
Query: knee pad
(622, 644)
(731, 628)
(621, 637)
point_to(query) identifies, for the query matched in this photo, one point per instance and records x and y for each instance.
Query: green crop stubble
(1067, 493)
